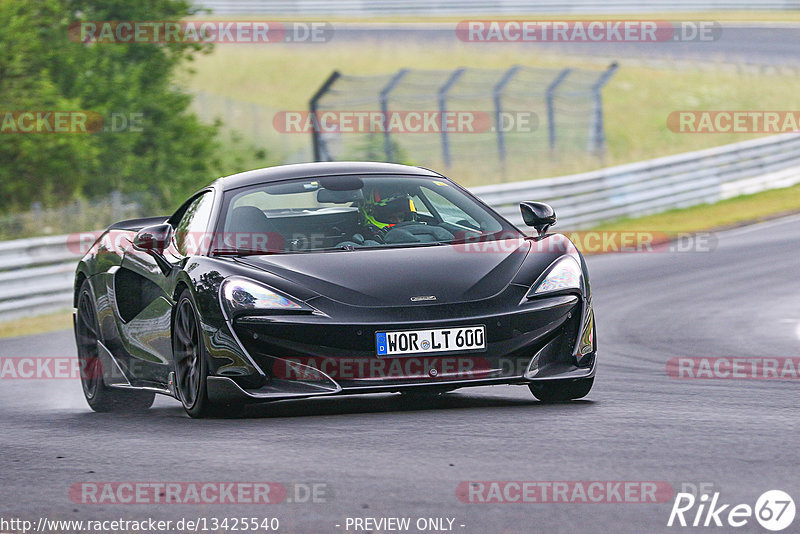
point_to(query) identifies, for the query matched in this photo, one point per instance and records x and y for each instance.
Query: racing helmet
(383, 213)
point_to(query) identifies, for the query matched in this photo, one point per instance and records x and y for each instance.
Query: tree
(36, 166)
(43, 66)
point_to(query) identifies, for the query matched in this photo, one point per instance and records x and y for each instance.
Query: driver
(393, 219)
(381, 214)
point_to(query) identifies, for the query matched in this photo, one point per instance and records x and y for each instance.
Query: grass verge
(728, 213)
(637, 100)
(36, 325)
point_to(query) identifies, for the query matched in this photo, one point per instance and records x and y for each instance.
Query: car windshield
(351, 213)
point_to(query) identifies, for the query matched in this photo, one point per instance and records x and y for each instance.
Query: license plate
(434, 340)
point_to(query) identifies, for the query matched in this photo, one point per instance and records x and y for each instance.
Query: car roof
(317, 170)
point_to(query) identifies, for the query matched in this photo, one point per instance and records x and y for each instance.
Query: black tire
(191, 363)
(100, 397)
(561, 390)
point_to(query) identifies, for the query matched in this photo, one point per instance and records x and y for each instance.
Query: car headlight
(564, 274)
(240, 294)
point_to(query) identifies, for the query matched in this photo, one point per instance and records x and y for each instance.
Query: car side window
(420, 206)
(191, 228)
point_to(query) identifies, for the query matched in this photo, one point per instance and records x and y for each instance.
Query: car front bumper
(315, 355)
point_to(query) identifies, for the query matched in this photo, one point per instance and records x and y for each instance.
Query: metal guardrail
(36, 275)
(656, 185)
(466, 7)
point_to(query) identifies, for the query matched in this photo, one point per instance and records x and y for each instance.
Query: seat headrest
(249, 227)
(339, 197)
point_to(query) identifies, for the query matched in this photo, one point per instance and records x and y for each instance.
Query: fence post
(598, 134)
(384, 99)
(312, 108)
(550, 95)
(442, 97)
(498, 110)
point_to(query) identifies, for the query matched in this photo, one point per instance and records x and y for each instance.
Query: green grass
(638, 98)
(724, 214)
(36, 325)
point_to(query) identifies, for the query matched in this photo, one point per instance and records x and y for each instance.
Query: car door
(144, 287)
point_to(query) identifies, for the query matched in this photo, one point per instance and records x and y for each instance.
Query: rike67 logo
(774, 510)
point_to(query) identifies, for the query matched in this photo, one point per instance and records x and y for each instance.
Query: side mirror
(539, 215)
(154, 238)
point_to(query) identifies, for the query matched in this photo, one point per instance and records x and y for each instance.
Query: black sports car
(326, 279)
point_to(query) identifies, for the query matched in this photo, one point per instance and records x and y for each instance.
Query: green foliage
(167, 154)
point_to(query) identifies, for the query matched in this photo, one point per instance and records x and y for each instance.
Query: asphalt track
(742, 43)
(381, 456)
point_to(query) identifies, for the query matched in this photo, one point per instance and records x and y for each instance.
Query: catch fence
(438, 118)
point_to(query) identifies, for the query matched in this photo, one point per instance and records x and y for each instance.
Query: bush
(167, 155)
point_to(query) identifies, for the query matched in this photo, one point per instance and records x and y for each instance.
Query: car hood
(393, 276)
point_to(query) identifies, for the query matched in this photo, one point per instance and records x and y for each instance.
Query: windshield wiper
(242, 252)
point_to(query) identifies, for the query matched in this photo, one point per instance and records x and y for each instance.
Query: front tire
(561, 390)
(191, 363)
(100, 397)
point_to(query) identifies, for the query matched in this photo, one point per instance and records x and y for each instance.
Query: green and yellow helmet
(384, 212)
